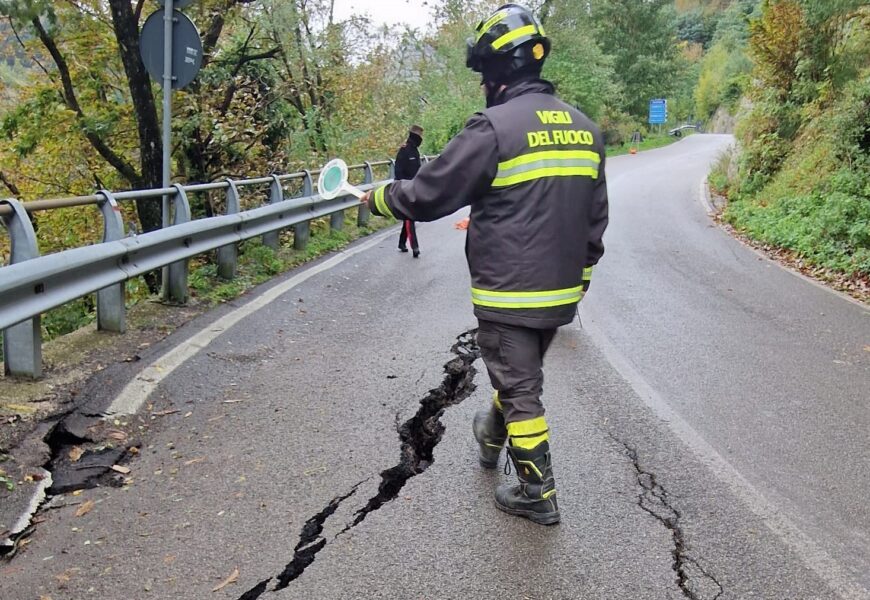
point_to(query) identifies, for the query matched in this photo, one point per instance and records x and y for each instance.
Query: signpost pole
(167, 122)
(175, 67)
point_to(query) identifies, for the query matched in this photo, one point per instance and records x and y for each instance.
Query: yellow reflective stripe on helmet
(542, 299)
(484, 27)
(550, 163)
(381, 203)
(529, 433)
(512, 35)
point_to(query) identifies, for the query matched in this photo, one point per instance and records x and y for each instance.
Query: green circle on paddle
(332, 179)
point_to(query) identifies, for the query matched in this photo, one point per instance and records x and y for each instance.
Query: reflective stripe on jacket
(532, 170)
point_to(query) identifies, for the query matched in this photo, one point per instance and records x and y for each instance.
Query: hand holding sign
(333, 181)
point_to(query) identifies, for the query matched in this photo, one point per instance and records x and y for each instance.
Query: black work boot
(535, 496)
(491, 433)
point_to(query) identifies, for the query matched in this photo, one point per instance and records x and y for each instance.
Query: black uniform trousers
(409, 233)
(514, 358)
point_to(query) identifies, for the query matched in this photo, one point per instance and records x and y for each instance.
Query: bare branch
(69, 98)
(10, 185)
(138, 11)
(21, 42)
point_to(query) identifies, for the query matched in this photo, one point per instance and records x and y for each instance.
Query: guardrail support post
(336, 221)
(228, 256)
(111, 308)
(22, 343)
(178, 271)
(276, 195)
(302, 231)
(363, 213)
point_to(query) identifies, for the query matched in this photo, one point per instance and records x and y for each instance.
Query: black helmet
(508, 43)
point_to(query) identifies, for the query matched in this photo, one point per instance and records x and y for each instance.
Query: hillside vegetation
(285, 86)
(801, 177)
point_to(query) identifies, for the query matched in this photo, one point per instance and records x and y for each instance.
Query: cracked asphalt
(699, 440)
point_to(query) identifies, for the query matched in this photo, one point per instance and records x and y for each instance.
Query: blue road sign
(658, 111)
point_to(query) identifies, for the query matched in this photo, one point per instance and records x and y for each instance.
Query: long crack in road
(419, 435)
(654, 500)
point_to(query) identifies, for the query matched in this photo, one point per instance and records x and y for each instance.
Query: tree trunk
(150, 141)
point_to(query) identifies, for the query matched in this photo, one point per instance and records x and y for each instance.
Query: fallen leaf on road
(161, 413)
(462, 224)
(118, 435)
(85, 508)
(193, 461)
(66, 576)
(234, 577)
(75, 453)
(866, 348)
(24, 408)
(239, 400)
(121, 469)
(168, 559)
(187, 414)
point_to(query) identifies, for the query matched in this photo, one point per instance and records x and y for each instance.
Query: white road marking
(134, 394)
(813, 556)
(810, 553)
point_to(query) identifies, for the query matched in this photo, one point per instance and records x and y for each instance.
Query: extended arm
(463, 172)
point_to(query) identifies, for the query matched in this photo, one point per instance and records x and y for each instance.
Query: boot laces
(507, 466)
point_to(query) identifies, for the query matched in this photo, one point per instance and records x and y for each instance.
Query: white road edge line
(814, 557)
(35, 502)
(134, 394)
(704, 195)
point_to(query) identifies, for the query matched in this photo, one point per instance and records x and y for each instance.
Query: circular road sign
(186, 48)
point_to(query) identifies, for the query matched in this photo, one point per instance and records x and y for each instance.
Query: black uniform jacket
(532, 170)
(408, 158)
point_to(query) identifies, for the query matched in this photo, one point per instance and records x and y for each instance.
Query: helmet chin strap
(492, 90)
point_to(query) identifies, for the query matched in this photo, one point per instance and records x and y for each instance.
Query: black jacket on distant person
(408, 157)
(407, 165)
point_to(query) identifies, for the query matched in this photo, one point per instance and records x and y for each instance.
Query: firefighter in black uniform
(407, 165)
(532, 169)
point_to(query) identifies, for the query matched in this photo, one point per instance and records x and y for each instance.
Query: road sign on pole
(185, 48)
(172, 54)
(658, 111)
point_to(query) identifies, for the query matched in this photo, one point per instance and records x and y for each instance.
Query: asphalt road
(709, 422)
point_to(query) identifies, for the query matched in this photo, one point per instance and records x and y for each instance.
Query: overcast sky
(412, 12)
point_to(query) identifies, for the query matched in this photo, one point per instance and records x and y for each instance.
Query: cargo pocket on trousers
(493, 357)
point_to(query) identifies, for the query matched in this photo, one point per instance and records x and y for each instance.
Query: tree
(640, 35)
(90, 93)
(583, 74)
(774, 44)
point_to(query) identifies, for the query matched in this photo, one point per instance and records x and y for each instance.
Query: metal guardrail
(32, 284)
(679, 129)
